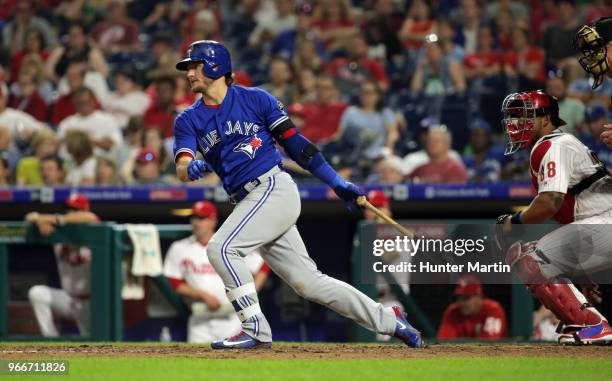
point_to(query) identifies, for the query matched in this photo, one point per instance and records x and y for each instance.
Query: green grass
(469, 369)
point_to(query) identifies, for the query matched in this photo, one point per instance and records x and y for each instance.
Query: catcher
(594, 42)
(575, 189)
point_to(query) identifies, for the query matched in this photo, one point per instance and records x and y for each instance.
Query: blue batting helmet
(215, 57)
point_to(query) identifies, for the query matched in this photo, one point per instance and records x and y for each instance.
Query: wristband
(516, 218)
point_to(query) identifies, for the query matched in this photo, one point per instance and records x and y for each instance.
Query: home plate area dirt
(289, 351)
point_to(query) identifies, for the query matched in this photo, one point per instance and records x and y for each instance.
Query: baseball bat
(363, 202)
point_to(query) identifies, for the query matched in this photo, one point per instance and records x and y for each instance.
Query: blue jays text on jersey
(235, 137)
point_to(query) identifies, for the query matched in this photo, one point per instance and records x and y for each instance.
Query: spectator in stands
(76, 49)
(91, 79)
(26, 96)
(5, 172)
(482, 159)
(503, 27)
(543, 14)
(81, 163)
(564, 30)
(24, 19)
(128, 100)
(280, 80)
(388, 170)
(417, 25)
(268, 28)
(441, 168)
(306, 84)
(333, 23)
(597, 9)
(34, 47)
(20, 125)
(147, 171)
(472, 315)
(8, 149)
(381, 25)
(485, 62)
(571, 110)
(525, 62)
(582, 88)
(515, 10)
(45, 144)
(153, 138)
(161, 112)
(435, 75)
(446, 38)
(516, 167)
(596, 117)
(192, 276)
(52, 171)
(413, 160)
(130, 147)
(163, 56)
(116, 33)
(369, 126)
(64, 106)
(470, 22)
(74, 269)
(321, 117)
(350, 72)
(106, 172)
(307, 56)
(100, 126)
(286, 43)
(205, 26)
(157, 16)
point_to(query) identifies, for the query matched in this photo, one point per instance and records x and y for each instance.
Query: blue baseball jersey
(234, 138)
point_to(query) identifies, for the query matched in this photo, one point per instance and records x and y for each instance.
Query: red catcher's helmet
(77, 201)
(520, 111)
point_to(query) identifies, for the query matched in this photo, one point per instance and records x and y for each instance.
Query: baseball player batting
(235, 129)
(594, 42)
(575, 189)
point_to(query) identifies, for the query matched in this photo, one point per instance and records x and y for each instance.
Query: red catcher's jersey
(488, 323)
(558, 162)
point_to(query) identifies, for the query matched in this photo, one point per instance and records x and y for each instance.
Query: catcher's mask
(594, 50)
(520, 111)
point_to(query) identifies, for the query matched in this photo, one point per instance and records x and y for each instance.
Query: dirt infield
(301, 351)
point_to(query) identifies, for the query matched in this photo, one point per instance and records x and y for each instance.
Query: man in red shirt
(441, 167)
(162, 111)
(352, 71)
(472, 315)
(321, 118)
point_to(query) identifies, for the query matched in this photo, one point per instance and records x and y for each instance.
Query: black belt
(588, 181)
(246, 188)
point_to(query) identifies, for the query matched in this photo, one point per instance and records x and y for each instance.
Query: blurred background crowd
(391, 91)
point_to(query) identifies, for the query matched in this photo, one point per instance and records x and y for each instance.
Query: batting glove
(196, 169)
(348, 192)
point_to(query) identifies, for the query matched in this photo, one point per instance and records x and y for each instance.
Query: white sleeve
(172, 262)
(555, 168)
(254, 261)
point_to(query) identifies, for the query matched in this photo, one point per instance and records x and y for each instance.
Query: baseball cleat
(240, 341)
(405, 332)
(600, 334)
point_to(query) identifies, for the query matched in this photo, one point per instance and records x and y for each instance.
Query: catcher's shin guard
(561, 297)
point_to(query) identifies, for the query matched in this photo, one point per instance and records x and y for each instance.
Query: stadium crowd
(391, 91)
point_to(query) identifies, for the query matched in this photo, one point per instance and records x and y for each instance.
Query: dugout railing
(109, 243)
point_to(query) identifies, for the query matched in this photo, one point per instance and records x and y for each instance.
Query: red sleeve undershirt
(175, 282)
